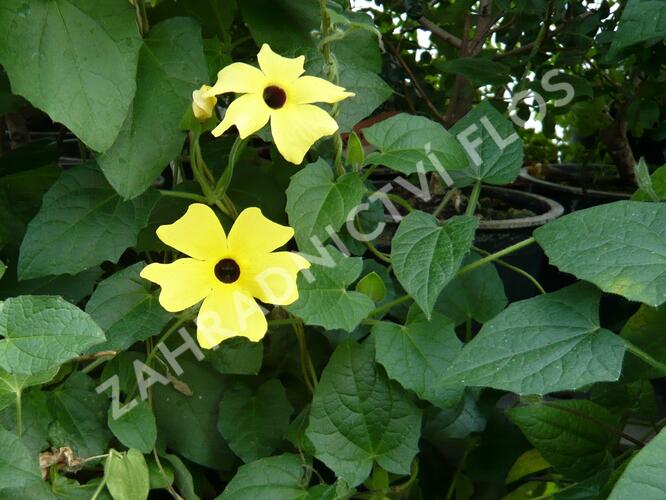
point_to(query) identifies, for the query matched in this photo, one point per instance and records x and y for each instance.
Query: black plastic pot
(573, 194)
(494, 235)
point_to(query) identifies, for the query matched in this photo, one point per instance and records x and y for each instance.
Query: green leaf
(329, 202)
(373, 286)
(277, 478)
(548, 343)
(124, 307)
(641, 21)
(127, 475)
(623, 250)
(455, 422)
(136, 428)
(576, 437)
(645, 476)
(183, 477)
(12, 385)
(658, 184)
(359, 417)
(325, 301)
(237, 356)
(188, 424)
(371, 91)
(477, 294)
(3, 268)
(405, 141)
(35, 420)
(479, 71)
(417, 353)
(81, 224)
(527, 464)
(18, 467)
(495, 150)
(254, 422)
(41, 332)
(84, 75)
(72, 288)
(171, 66)
(426, 255)
(80, 416)
(645, 330)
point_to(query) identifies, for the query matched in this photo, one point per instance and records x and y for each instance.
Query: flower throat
(227, 271)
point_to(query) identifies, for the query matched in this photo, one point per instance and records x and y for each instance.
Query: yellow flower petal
(249, 113)
(309, 89)
(296, 128)
(198, 233)
(203, 106)
(272, 277)
(252, 233)
(229, 312)
(184, 282)
(238, 77)
(278, 69)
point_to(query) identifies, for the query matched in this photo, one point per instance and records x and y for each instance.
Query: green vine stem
(234, 155)
(473, 198)
(645, 357)
(513, 268)
(494, 256)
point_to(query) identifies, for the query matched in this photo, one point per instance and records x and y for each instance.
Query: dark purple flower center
(227, 271)
(274, 97)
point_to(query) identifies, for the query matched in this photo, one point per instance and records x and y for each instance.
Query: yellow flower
(278, 92)
(202, 104)
(226, 272)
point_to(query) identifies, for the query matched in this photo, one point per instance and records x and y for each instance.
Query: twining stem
(97, 362)
(389, 305)
(183, 194)
(225, 179)
(494, 256)
(101, 486)
(445, 201)
(309, 373)
(332, 75)
(173, 328)
(473, 198)
(645, 357)
(515, 269)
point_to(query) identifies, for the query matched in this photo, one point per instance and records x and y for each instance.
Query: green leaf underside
(416, 354)
(42, 332)
(359, 417)
(18, 467)
(127, 475)
(171, 65)
(124, 307)
(405, 141)
(498, 156)
(478, 294)
(279, 478)
(326, 301)
(317, 201)
(623, 250)
(136, 428)
(645, 476)
(575, 437)
(84, 75)
(548, 343)
(426, 255)
(254, 423)
(81, 207)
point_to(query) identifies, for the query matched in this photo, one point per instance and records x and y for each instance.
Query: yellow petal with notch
(198, 233)
(249, 113)
(238, 77)
(229, 312)
(279, 70)
(309, 89)
(296, 128)
(184, 282)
